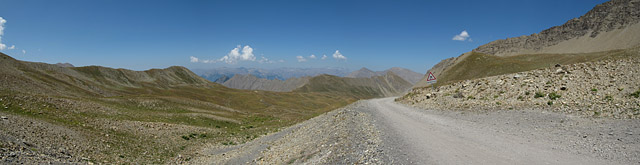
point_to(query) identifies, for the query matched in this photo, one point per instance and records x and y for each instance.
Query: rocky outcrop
(607, 88)
(615, 15)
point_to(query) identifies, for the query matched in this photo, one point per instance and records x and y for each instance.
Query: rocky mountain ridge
(609, 26)
(603, 18)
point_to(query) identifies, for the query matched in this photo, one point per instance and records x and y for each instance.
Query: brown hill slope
(406, 74)
(389, 84)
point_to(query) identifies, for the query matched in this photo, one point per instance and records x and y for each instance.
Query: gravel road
(381, 131)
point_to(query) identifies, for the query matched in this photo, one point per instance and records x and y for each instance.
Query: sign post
(431, 79)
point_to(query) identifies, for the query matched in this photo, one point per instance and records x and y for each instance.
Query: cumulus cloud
(194, 59)
(301, 59)
(324, 56)
(281, 61)
(312, 56)
(265, 60)
(12, 47)
(24, 52)
(339, 56)
(2, 22)
(235, 55)
(464, 35)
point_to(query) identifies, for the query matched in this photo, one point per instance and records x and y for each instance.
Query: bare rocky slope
(609, 26)
(607, 88)
(613, 25)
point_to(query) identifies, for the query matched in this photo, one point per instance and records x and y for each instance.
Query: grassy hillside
(479, 65)
(364, 88)
(106, 115)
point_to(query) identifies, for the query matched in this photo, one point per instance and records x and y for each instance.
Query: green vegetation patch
(554, 96)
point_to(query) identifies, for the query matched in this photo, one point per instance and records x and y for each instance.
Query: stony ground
(380, 131)
(607, 88)
(342, 136)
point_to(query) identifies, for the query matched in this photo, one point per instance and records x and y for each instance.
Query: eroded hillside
(608, 88)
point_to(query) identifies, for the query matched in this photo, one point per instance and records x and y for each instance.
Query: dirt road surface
(381, 131)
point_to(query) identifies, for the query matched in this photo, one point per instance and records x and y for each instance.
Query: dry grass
(479, 65)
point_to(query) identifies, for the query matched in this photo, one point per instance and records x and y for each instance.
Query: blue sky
(140, 35)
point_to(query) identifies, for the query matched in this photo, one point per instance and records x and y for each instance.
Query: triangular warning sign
(431, 77)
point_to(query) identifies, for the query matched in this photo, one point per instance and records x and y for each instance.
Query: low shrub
(554, 96)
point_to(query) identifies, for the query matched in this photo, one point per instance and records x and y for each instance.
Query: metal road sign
(431, 78)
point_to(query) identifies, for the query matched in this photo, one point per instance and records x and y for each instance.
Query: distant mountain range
(270, 74)
(607, 31)
(389, 82)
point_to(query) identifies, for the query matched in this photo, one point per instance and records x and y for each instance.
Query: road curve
(414, 137)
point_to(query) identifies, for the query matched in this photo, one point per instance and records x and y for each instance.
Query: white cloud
(339, 56)
(462, 36)
(280, 61)
(301, 59)
(194, 59)
(234, 56)
(265, 60)
(2, 22)
(312, 56)
(24, 52)
(12, 47)
(324, 56)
